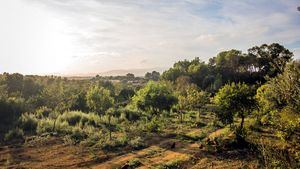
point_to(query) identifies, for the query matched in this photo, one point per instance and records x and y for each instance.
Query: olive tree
(234, 99)
(99, 99)
(154, 98)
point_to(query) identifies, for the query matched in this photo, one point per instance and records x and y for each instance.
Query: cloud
(125, 34)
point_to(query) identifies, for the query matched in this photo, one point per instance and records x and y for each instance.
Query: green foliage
(28, 122)
(194, 99)
(129, 114)
(125, 95)
(232, 66)
(43, 112)
(77, 117)
(99, 99)
(14, 134)
(271, 58)
(154, 75)
(172, 164)
(137, 143)
(154, 98)
(10, 111)
(234, 99)
(134, 163)
(279, 101)
(45, 125)
(287, 86)
(153, 126)
(78, 135)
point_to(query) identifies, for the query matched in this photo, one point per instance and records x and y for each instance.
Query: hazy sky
(84, 36)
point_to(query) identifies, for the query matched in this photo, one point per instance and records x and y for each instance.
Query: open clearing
(51, 152)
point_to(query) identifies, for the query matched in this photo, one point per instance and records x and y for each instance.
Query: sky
(90, 36)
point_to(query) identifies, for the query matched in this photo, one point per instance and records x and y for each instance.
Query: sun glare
(58, 48)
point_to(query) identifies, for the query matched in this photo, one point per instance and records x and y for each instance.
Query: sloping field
(162, 152)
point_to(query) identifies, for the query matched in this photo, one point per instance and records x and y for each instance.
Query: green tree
(154, 97)
(130, 76)
(197, 99)
(271, 59)
(234, 99)
(154, 75)
(279, 101)
(99, 99)
(111, 127)
(125, 95)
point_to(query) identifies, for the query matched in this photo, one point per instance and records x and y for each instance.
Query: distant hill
(136, 72)
(117, 72)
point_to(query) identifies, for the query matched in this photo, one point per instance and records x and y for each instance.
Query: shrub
(77, 117)
(173, 164)
(78, 135)
(134, 163)
(288, 123)
(72, 117)
(272, 157)
(130, 115)
(28, 122)
(45, 125)
(62, 127)
(152, 126)
(137, 143)
(43, 112)
(14, 134)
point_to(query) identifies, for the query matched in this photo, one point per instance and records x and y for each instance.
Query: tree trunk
(109, 134)
(109, 127)
(242, 122)
(181, 116)
(53, 129)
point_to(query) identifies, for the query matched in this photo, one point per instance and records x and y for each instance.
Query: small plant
(173, 164)
(78, 135)
(14, 134)
(43, 112)
(134, 163)
(137, 143)
(45, 125)
(153, 126)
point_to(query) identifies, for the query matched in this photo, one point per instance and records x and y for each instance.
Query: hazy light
(32, 40)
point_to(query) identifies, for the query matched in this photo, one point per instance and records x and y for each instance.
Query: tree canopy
(154, 97)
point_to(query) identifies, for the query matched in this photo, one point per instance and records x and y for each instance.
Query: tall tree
(271, 58)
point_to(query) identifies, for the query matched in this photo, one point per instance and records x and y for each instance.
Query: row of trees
(233, 66)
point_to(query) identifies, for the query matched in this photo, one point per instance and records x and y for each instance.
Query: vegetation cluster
(247, 94)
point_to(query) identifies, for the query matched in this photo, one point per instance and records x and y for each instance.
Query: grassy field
(178, 145)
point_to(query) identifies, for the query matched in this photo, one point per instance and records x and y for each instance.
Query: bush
(130, 115)
(152, 126)
(272, 157)
(14, 134)
(77, 117)
(137, 143)
(253, 124)
(173, 164)
(28, 123)
(134, 163)
(78, 135)
(45, 125)
(43, 112)
(288, 123)
(72, 117)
